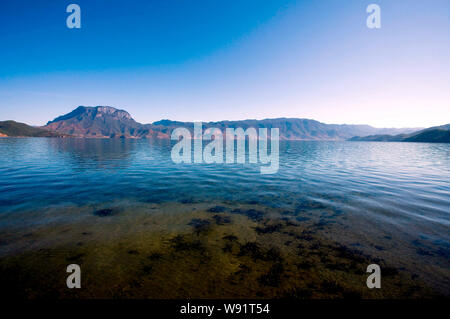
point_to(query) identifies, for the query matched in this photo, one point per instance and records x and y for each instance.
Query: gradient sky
(214, 60)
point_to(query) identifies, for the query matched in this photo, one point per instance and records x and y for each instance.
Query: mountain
(16, 129)
(101, 122)
(290, 128)
(436, 134)
(439, 134)
(106, 122)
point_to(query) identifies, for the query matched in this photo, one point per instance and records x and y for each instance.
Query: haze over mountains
(109, 122)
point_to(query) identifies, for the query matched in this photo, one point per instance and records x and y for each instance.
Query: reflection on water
(98, 153)
(358, 202)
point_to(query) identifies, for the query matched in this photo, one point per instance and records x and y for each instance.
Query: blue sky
(215, 60)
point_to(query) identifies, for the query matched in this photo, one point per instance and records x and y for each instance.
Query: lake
(142, 226)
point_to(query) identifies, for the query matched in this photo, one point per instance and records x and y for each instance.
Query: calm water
(390, 195)
(395, 183)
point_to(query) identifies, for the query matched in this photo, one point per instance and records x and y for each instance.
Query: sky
(210, 60)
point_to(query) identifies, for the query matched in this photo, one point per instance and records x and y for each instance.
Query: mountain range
(109, 122)
(435, 134)
(106, 121)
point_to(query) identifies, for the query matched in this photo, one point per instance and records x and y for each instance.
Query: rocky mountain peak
(109, 110)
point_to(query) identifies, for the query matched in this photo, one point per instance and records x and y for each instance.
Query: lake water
(389, 202)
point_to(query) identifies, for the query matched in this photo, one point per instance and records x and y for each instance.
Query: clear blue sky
(215, 60)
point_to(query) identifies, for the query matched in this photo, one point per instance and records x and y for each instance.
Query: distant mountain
(109, 122)
(440, 134)
(436, 134)
(101, 122)
(291, 128)
(16, 129)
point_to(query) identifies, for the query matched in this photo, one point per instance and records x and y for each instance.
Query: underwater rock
(253, 214)
(199, 225)
(180, 244)
(252, 250)
(222, 220)
(104, 212)
(187, 201)
(230, 237)
(349, 254)
(228, 248)
(268, 229)
(243, 269)
(308, 205)
(217, 209)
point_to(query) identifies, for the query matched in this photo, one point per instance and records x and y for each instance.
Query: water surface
(388, 201)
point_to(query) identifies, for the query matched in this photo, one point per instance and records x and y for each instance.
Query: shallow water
(332, 208)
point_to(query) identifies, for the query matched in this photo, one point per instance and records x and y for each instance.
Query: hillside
(436, 134)
(430, 136)
(16, 129)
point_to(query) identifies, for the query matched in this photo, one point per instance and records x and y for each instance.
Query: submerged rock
(217, 209)
(222, 220)
(104, 212)
(200, 225)
(253, 214)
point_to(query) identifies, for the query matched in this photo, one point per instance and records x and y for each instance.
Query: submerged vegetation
(195, 251)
